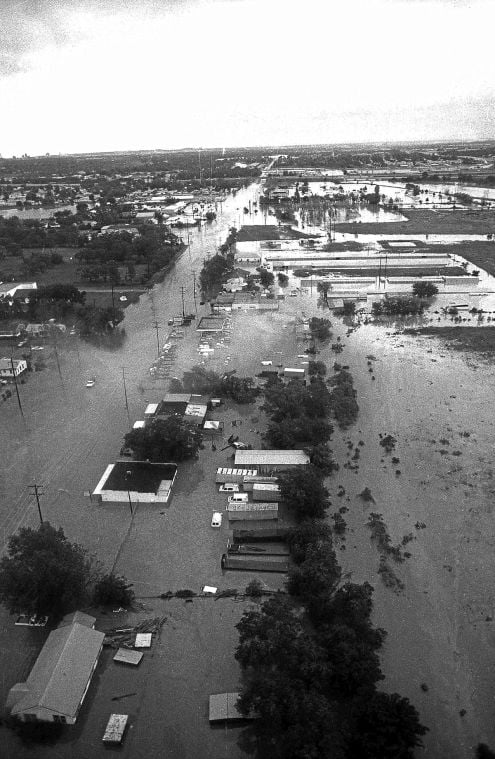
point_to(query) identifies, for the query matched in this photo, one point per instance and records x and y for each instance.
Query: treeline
(400, 306)
(66, 304)
(312, 680)
(16, 234)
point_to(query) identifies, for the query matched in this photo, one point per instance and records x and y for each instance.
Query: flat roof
(138, 476)
(250, 459)
(211, 324)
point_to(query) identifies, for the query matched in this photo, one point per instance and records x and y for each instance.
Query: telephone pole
(182, 289)
(125, 396)
(155, 325)
(36, 491)
(14, 377)
(194, 290)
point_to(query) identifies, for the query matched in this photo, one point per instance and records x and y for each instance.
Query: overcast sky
(91, 75)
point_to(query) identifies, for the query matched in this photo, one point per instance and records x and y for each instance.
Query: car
(229, 487)
(123, 298)
(240, 446)
(216, 520)
(38, 348)
(90, 383)
(23, 342)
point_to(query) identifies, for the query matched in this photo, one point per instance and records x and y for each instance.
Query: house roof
(61, 672)
(250, 458)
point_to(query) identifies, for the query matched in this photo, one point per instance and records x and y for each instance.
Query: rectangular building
(270, 461)
(136, 482)
(60, 678)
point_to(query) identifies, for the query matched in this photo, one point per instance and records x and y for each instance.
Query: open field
(422, 221)
(479, 339)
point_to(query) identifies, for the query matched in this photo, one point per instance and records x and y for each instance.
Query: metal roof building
(60, 678)
(265, 461)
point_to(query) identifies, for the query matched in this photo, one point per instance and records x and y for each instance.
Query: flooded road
(69, 433)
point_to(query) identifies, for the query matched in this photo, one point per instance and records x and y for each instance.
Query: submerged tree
(43, 573)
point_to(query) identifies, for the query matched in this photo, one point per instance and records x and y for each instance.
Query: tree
(43, 574)
(170, 439)
(386, 726)
(483, 752)
(320, 328)
(112, 590)
(267, 278)
(424, 289)
(303, 491)
(321, 458)
(283, 279)
(317, 368)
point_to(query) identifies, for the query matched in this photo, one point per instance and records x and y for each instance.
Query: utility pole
(155, 324)
(16, 388)
(182, 295)
(35, 490)
(194, 290)
(125, 396)
(113, 301)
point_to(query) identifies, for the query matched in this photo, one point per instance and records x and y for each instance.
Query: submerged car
(90, 383)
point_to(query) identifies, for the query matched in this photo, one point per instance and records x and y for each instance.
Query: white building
(10, 368)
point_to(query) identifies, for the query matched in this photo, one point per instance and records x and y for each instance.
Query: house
(11, 290)
(191, 407)
(136, 482)
(60, 678)
(223, 302)
(36, 329)
(10, 368)
(118, 229)
(268, 461)
(254, 302)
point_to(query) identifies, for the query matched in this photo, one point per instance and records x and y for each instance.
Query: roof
(211, 324)
(249, 459)
(138, 476)
(61, 672)
(224, 706)
(80, 617)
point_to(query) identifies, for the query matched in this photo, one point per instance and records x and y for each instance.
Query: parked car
(216, 520)
(23, 342)
(229, 487)
(90, 383)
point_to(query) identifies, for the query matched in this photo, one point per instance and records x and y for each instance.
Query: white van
(238, 498)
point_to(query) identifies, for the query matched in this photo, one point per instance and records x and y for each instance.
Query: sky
(100, 75)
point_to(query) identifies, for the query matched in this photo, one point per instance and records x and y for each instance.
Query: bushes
(343, 399)
(111, 590)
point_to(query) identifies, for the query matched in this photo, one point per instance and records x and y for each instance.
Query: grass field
(480, 254)
(479, 339)
(421, 221)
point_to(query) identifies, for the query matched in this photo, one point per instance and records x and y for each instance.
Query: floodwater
(440, 628)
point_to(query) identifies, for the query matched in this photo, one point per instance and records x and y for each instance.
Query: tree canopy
(43, 573)
(171, 439)
(302, 490)
(424, 289)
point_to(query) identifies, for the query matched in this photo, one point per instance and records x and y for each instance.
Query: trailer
(255, 564)
(260, 535)
(266, 491)
(115, 729)
(250, 480)
(251, 511)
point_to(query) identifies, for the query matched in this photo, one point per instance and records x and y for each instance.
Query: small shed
(223, 707)
(115, 729)
(126, 656)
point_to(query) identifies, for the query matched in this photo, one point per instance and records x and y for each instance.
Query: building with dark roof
(136, 482)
